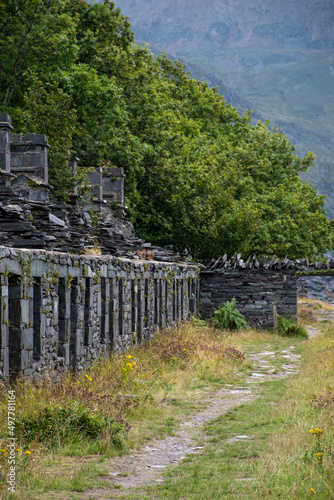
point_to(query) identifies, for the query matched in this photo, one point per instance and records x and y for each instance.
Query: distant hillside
(276, 58)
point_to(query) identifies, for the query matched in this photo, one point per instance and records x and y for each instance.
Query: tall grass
(120, 402)
(303, 449)
(289, 453)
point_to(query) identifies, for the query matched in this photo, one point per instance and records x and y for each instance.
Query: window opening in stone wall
(15, 327)
(112, 309)
(104, 315)
(62, 333)
(87, 312)
(75, 322)
(37, 317)
(4, 340)
(174, 299)
(139, 311)
(166, 301)
(156, 302)
(146, 302)
(191, 298)
(121, 306)
(2, 305)
(182, 303)
(161, 305)
(133, 306)
(177, 301)
(193, 295)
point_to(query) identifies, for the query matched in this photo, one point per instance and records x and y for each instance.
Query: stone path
(146, 466)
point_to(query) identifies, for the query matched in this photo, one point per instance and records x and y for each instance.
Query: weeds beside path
(232, 428)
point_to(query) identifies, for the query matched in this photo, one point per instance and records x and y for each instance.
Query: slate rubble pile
(30, 218)
(65, 228)
(317, 287)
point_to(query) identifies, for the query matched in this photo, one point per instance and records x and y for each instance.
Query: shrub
(55, 426)
(227, 317)
(288, 327)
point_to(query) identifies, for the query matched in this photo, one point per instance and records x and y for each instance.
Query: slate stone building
(62, 305)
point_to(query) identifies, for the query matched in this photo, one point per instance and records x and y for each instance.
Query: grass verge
(127, 400)
(290, 452)
(117, 405)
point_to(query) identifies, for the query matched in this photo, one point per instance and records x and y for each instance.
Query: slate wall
(258, 293)
(60, 311)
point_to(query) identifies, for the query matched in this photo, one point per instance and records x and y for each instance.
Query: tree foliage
(200, 178)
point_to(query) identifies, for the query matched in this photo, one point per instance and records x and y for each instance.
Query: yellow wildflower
(28, 452)
(89, 378)
(4, 451)
(312, 490)
(129, 356)
(316, 431)
(18, 449)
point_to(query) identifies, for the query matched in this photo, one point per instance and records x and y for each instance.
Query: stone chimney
(5, 163)
(29, 156)
(95, 183)
(113, 186)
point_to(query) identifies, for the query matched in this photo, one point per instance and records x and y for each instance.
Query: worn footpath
(146, 466)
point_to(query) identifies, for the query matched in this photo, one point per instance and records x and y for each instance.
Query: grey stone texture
(262, 286)
(29, 155)
(61, 311)
(257, 293)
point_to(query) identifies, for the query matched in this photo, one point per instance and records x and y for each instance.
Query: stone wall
(260, 294)
(262, 286)
(60, 311)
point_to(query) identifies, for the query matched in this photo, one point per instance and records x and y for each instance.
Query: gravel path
(146, 466)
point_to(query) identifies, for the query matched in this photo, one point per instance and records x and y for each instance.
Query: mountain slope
(277, 58)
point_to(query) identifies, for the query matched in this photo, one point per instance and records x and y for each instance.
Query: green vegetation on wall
(200, 178)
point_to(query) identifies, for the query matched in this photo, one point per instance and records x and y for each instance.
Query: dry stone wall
(260, 295)
(60, 311)
(262, 286)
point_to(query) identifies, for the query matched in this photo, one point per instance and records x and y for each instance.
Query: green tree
(199, 177)
(37, 36)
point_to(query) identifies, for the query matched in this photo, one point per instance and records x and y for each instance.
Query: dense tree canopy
(200, 177)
